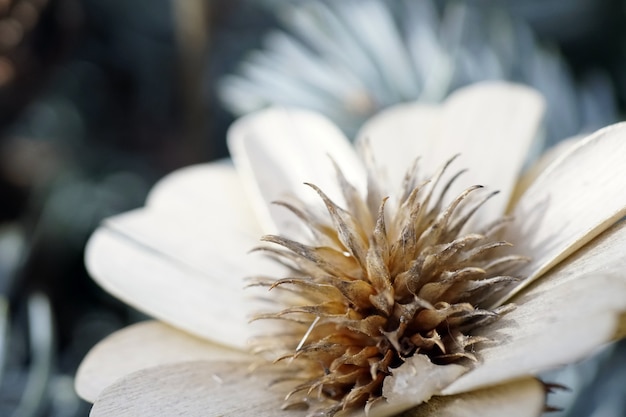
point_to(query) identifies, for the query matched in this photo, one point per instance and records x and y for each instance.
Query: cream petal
(581, 194)
(492, 125)
(201, 389)
(206, 389)
(184, 257)
(186, 271)
(560, 319)
(397, 136)
(212, 190)
(521, 398)
(547, 158)
(142, 345)
(416, 381)
(278, 149)
(526, 354)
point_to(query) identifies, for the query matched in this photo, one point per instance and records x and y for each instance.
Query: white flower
(349, 59)
(184, 259)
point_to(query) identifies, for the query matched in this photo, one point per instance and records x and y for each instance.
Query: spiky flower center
(377, 286)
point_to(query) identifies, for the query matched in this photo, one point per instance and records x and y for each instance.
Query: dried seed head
(374, 288)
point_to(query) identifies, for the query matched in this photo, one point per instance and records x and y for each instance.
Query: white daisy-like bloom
(413, 287)
(350, 59)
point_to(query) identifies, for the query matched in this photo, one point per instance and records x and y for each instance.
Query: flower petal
(176, 270)
(581, 194)
(402, 387)
(193, 389)
(207, 190)
(182, 265)
(397, 136)
(530, 353)
(493, 126)
(278, 149)
(537, 168)
(206, 389)
(521, 398)
(560, 319)
(142, 345)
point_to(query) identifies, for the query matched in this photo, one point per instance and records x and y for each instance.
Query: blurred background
(101, 98)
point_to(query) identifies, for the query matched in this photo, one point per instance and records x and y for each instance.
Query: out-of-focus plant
(349, 59)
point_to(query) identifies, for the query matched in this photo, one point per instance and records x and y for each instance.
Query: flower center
(376, 286)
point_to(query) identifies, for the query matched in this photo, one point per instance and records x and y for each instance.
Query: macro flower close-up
(433, 267)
